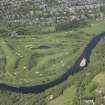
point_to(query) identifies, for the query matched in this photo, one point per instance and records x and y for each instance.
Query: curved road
(74, 69)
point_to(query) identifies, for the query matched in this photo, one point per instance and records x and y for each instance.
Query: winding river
(73, 70)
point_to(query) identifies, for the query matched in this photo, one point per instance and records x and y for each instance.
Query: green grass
(99, 79)
(10, 57)
(96, 28)
(48, 63)
(94, 74)
(65, 99)
(24, 62)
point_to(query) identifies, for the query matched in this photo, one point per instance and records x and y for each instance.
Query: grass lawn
(66, 98)
(30, 60)
(40, 59)
(95, 74)
(100, 79)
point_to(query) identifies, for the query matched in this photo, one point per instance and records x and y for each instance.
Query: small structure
(83, 62)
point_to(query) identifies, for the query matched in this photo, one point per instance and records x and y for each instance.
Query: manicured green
(66, 98)
(35, 59)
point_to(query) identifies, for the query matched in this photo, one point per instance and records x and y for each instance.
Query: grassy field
(95, 67)
(92, 82)
(30, 60)
(100, 79)
(65, 99)
(42, 58)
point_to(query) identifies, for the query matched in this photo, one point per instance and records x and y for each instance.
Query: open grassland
(65, 99)
(31, 60)
(100, 79)
(86, 85)
(89, 83)
(37, 59)
(92, 84)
